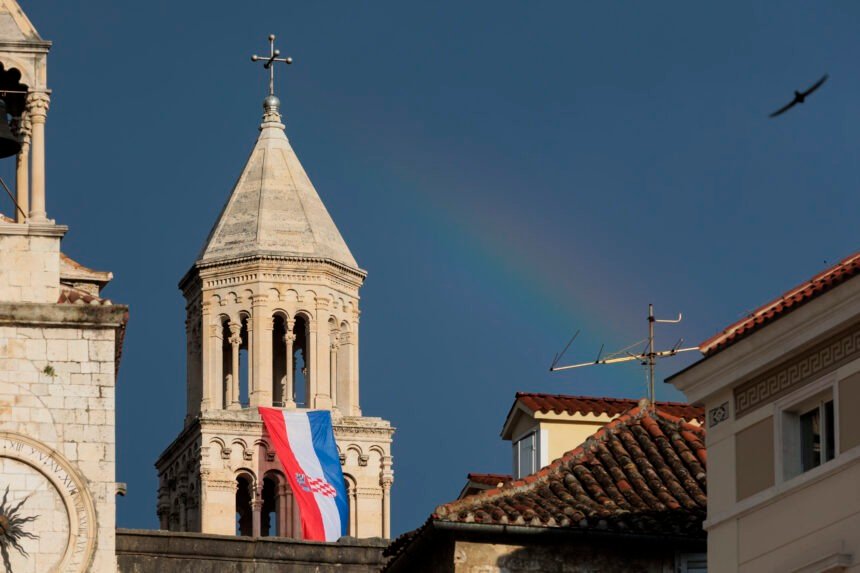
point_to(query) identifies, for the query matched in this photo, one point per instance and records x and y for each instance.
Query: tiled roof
(779, 307)
(644, 472)
(559, 403)
(490, 479)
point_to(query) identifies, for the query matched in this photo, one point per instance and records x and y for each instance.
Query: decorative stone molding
(718, 414)
(792, 374)
(247, 455)
(362, 459)
(225, 453)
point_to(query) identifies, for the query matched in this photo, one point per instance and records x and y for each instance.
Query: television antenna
(647, 356)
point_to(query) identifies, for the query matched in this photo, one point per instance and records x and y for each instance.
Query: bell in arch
(9, 144)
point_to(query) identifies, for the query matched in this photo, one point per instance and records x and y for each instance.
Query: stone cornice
(33, 229)
(48, 314)
(358, 274)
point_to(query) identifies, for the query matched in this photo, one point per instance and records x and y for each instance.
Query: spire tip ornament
(271, 104)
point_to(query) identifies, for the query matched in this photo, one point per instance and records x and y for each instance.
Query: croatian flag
(304, 442)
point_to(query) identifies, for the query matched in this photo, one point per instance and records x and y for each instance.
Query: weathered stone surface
(167, 552)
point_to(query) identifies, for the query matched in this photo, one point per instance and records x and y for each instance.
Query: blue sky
(508, 173)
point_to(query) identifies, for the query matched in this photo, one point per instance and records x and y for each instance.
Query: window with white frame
(808, 433)
(526, 455)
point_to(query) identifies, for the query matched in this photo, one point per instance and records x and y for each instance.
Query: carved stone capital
(289, 338)
(37, 106)
(22, 127)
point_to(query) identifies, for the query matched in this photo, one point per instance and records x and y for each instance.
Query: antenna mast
(647, 356)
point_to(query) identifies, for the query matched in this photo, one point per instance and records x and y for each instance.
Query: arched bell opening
(244, 511)
(301, 362)
(279, 360)
(269, 510)
(226, 363)
(244, 363)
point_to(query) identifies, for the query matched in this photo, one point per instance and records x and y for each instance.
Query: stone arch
(274, 294)
(280, 323)
(291, 295)
(351, 486)
(246, 491)
(301, 359)
(353, 454)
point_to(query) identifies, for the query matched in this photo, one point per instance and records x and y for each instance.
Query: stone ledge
(165, 552)
(47, 314)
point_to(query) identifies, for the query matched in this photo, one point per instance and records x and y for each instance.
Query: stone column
(320, 340)
(263, 386)
(215, 377)
(289, 530)
(233, 388)
(37, 108)
(386, 478)
(251, 362)
(311, 363)
(205, 358)
(282, 510)
(256, 511)
(288, 391)
(386, 509)
(23, 169)
(332, 369)
(353, 383)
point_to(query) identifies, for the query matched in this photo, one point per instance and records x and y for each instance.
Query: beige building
(781, 389)
(272, 320)
(60, 343)
(543, 427)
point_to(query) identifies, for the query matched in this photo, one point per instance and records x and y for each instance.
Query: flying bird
(799, 97)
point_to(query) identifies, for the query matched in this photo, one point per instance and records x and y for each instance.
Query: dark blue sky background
(508, 173)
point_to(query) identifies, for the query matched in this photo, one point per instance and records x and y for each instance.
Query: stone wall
(140, 551)
(57, 431)
(30, 263)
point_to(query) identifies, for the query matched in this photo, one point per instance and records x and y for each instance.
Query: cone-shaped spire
(274, 209)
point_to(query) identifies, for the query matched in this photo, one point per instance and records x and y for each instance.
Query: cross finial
(269, 63)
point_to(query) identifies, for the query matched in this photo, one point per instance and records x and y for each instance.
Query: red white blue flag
(304, 443)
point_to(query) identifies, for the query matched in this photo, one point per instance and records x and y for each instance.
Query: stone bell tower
(60, 344)
(272, 320)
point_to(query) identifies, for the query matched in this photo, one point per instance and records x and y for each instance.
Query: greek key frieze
(819, 360)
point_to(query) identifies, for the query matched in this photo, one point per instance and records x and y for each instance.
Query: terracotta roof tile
(71, 295)
(561, 403)
(644, 472)
(490, 479)
(780, 306)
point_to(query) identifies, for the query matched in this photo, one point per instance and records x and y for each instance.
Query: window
(525, 455)
(692, 563)
(816, 436)
(808, 434)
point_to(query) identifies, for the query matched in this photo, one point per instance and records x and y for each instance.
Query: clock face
(46, 513)
(34, 523)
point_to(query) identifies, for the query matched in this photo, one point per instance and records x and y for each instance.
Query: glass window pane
(526, 451)
(829, 432)
(810, 439)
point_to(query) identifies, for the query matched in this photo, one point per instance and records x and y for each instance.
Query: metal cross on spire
(269, 62)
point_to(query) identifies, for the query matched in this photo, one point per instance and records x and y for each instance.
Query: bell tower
(272, 320)
(60, 343)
